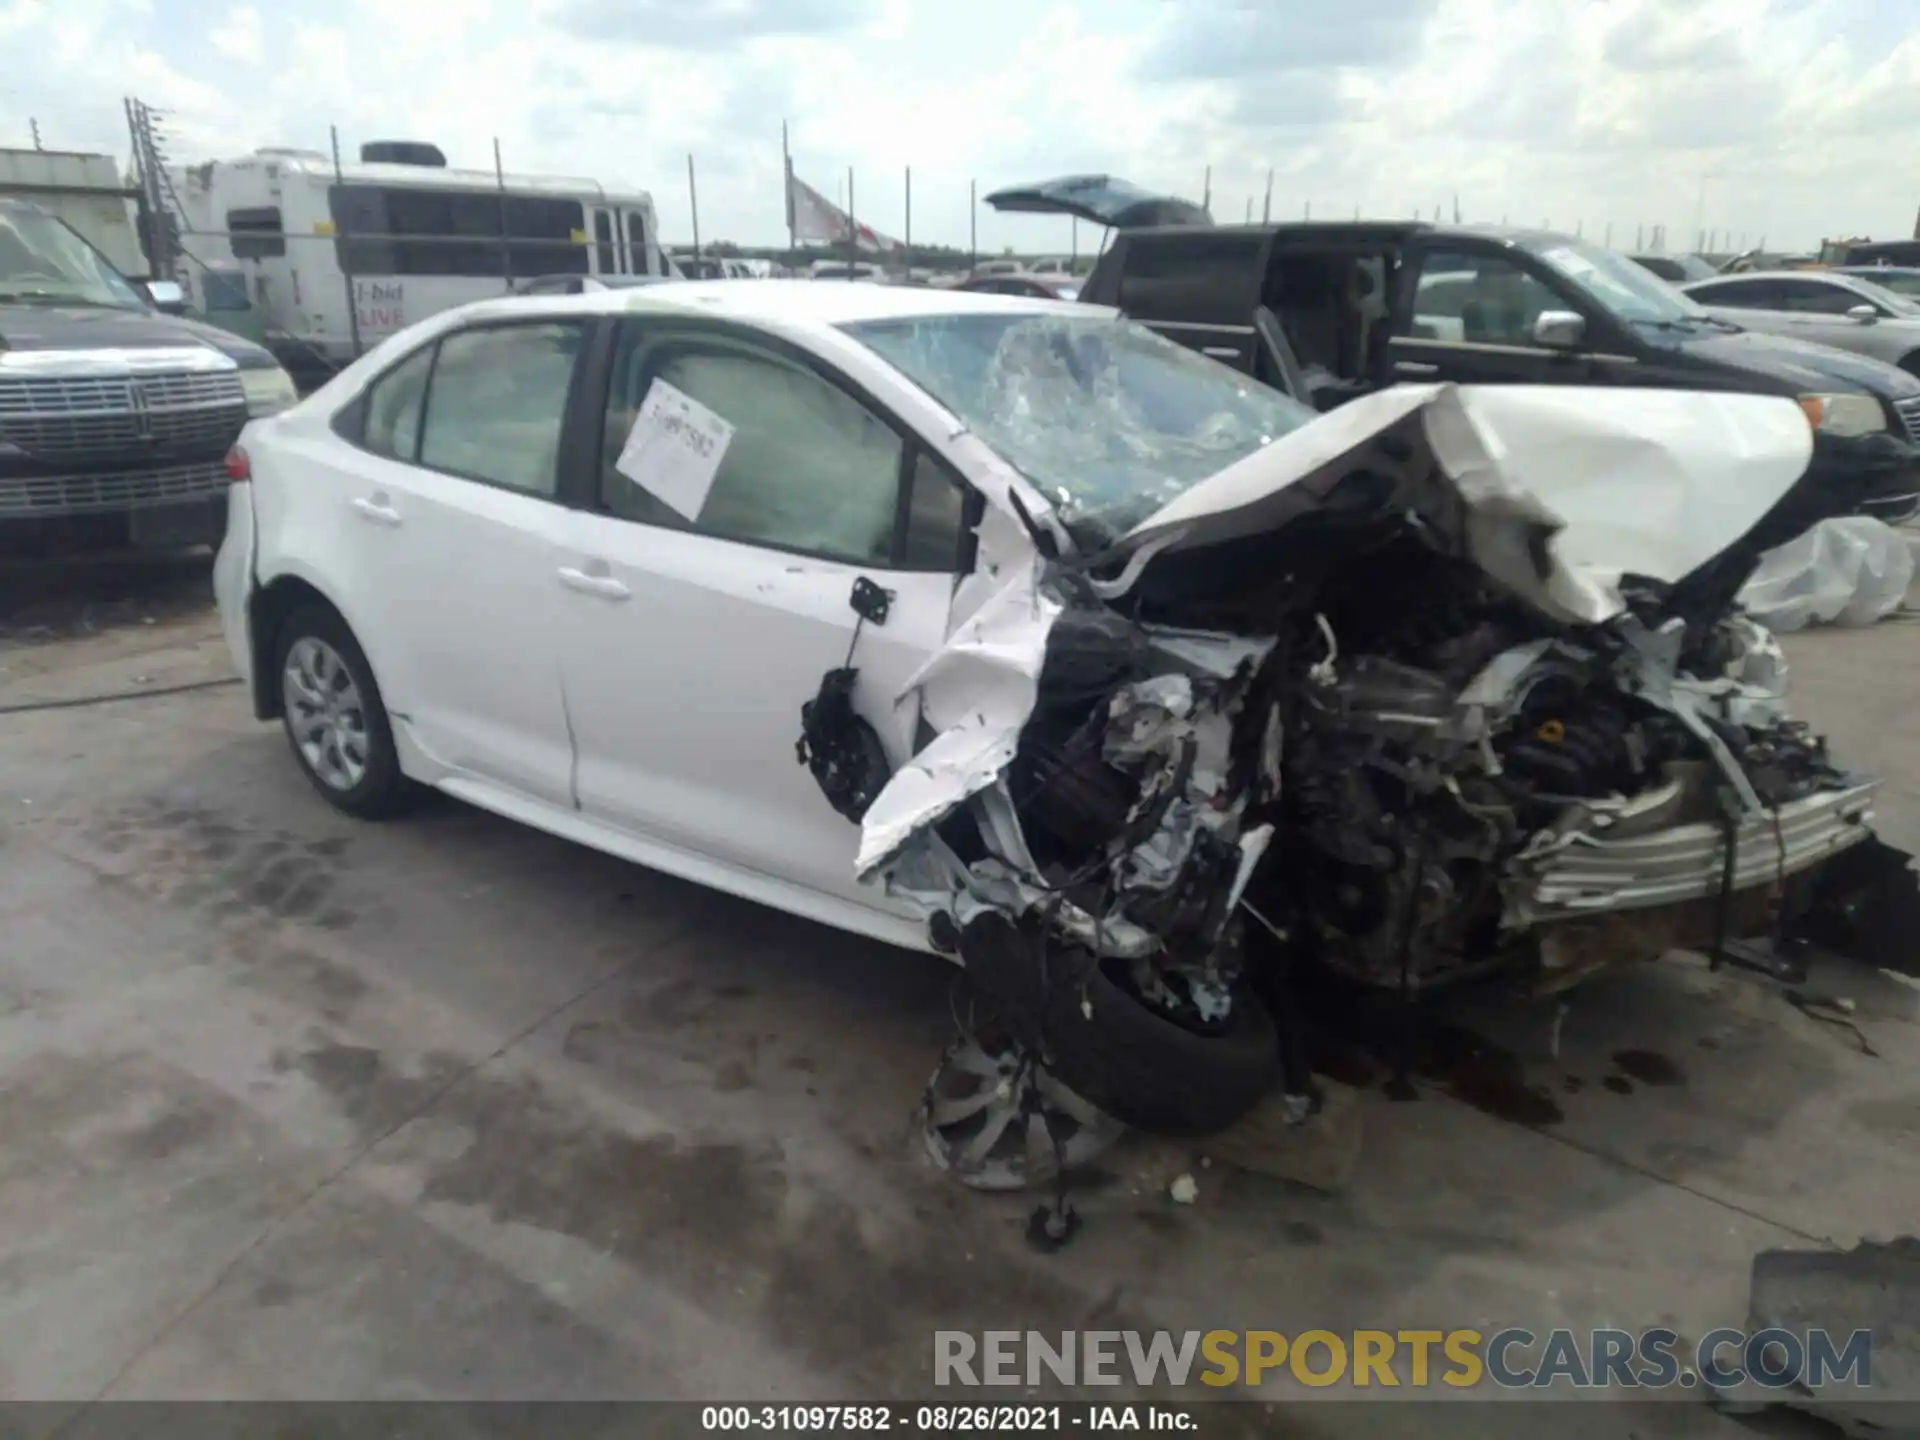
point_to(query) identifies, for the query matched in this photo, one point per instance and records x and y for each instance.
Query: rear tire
(335, 721)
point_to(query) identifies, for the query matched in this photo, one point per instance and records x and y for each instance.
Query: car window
(497, 401)
(936, 506)
(807, 466)
(1478, 297)
(1815, 297)
(393, 407)
(1741, 294)
(1905, 283)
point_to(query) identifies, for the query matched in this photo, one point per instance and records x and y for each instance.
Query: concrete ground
(297, 1107)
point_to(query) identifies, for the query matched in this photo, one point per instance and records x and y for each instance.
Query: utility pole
(693, 205)
(1266, 206)
(346, 250)
(34, 126)
(786, 171)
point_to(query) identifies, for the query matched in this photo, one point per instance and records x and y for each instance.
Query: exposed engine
(1402, 776)
(1439, 741)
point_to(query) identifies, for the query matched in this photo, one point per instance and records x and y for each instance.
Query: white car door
(692, 642)
(452, 487)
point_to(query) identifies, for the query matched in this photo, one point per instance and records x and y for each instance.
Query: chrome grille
(49, 495)
(55, 416)
(1909, 412)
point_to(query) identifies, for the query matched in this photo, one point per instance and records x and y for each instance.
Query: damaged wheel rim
(998, 1120)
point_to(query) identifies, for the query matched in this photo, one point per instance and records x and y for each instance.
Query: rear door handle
(1414, 367)
(605, 586)
(378, 513)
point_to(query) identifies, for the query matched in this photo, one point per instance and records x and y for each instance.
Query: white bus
(276, 242)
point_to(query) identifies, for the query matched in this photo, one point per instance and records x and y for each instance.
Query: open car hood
(1555, 491)
(1103, 199)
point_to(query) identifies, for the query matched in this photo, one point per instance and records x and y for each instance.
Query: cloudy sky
(1788, 118)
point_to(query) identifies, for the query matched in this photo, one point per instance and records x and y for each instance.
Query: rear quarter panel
(303, 518)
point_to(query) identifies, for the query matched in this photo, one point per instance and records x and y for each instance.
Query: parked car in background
(845, 270)
(1038, 285)
(1848, 312)
(584, 284)
(114, 418)
(1004, 266)
(1331, 311)
(598, 564)
(1748, 260)
(1903, 280)
(1678, 268)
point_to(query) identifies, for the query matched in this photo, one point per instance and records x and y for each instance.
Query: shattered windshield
(42, 260)
(1105, 417)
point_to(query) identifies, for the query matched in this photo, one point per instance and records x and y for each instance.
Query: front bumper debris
(1583, 872)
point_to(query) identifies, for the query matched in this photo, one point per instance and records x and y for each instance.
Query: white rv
(325, 261)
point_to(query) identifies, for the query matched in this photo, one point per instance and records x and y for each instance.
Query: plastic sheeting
(1852, 570)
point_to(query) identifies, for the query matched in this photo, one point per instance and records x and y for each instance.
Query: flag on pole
(817, 220)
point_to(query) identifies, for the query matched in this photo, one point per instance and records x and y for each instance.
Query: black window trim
(256, 232)
(350, 420)
(592, 454)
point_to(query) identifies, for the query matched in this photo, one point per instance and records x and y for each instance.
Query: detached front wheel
(333, 715)
(1114, 1049)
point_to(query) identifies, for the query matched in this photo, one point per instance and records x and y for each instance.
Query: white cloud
(1781, 117)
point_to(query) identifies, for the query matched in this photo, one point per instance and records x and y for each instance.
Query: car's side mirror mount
(1559, 329)
(1863, 314)
(167, 296)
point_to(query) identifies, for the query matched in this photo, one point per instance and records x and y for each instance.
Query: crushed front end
(1359, 701)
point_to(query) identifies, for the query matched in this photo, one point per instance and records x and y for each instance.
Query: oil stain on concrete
(725, 1223)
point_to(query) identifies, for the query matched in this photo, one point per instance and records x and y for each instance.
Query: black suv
(115, 419)
(1330, 311)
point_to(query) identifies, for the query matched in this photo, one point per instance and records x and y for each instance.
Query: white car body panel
(700, 754)
(569, 716)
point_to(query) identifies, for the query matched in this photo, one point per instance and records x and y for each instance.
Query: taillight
(239, 467)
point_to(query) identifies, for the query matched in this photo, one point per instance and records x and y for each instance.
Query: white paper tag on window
(674, 449)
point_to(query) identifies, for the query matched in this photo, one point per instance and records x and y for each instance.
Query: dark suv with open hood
(115, 418)
(1330, 311)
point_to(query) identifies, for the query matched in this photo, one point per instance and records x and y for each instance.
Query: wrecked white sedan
(1095, 657)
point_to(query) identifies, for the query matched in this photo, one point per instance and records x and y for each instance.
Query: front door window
(1478, 298)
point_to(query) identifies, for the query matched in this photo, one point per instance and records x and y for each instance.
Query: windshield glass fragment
(1106, 418)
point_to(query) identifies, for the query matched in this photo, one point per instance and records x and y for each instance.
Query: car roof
(1772, 275)
(790, 304)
